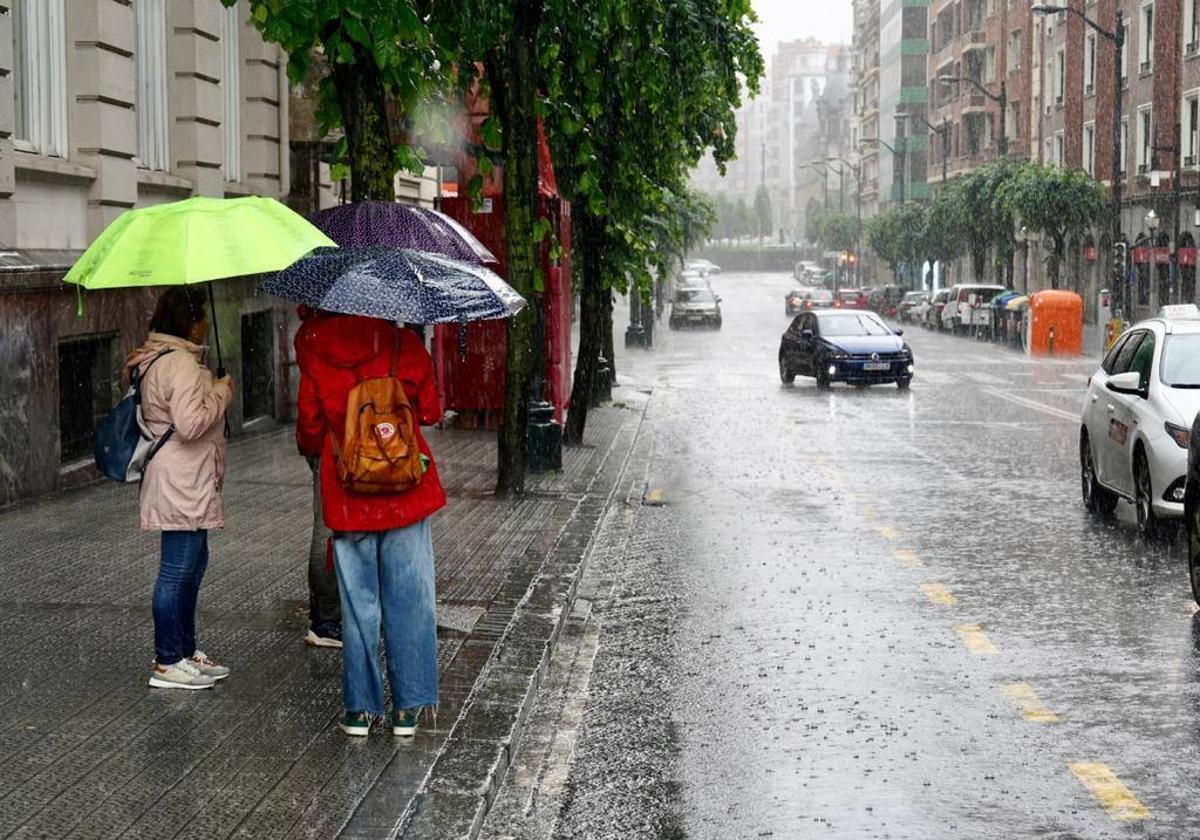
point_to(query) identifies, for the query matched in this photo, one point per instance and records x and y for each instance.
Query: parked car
(908, 302)
(850, 299)
(691, 280)
(799, 300)
(695, 307)
(853, 346)
(807, 269)
(703, 266)
(931, 317)
(1135, 437)
(968, 305)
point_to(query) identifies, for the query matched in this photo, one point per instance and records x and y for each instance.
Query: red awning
(1089, 253)
(1141, 255)
(1187, 256)
(1162, 255)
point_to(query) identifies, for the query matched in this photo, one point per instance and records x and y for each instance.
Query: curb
(460, 787)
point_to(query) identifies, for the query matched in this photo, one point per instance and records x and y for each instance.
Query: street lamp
(896, 153)
(1000, 99)
(943, 132)
(1152, 220)
(857, 170)
(1117, 38)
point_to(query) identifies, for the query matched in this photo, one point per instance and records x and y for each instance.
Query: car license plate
(877, 366)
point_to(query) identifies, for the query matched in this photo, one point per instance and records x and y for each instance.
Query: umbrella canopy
(365, 224)
(396, 284)
(1018, 303)
(195, 240)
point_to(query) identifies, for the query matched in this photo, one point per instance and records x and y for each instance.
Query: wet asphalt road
(879, 614)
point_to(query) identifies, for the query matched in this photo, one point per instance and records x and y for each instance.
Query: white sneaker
(314, 639)
(207, 667)
(183, 674)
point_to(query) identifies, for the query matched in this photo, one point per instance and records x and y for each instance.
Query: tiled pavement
(87, 751)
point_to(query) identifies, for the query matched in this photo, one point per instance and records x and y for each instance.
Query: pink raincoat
(181, 490)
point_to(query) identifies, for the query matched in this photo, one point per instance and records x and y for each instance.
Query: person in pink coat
(180, 493)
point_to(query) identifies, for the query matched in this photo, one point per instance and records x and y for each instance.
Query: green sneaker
(357, 724)
(404, 721)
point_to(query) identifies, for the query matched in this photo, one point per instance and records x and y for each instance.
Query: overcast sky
(831, 21)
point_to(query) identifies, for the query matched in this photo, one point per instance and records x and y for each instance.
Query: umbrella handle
(212, 303)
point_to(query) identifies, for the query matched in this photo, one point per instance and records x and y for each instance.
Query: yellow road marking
(907, 556)
(1195, 608)
(938, 594)
(975, 639)
(1027, 701)
(887, 532)
(654, 497)
(1112, 795)
(869, 512)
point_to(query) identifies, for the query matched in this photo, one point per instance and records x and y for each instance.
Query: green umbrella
(195, 241)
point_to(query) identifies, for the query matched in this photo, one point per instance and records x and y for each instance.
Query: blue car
(846, 345)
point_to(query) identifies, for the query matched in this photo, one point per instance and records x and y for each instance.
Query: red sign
(1162, 256)
(1141, 255)
(1089, 253)
(1187, 256)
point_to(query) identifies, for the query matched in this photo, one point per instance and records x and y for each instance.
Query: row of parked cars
(693, 302)
(960, 309)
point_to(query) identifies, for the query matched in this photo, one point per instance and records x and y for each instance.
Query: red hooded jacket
(334, 353)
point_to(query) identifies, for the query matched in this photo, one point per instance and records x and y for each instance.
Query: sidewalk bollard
(545, 438)
(603, 381)
(1051, 347)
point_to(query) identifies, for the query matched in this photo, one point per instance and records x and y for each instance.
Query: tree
(897, 236)
(1055, 202)
(942, 236)
(813, 211)
(374, 51)
(837, 231)
(745, 218)
(762, 211)
(985, 223)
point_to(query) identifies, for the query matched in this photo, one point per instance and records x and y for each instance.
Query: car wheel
(673, 324)
(1147, 521)
(823, 382)
(786, 375)
(902, 384)
(1096, 499)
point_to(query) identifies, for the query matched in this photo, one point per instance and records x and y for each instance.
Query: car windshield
(848, 294)
(1181, 361)
(820, 295)
(694, 296)
(856, 324)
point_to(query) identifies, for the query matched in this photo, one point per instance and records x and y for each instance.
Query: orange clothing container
(1055, 323)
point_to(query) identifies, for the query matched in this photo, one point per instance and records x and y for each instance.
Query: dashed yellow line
(975, 639)
(938, 594)
(907, 556)
(1028, 702)
(887, 532)
(869, 512)
(1109, 791)
(654, 497)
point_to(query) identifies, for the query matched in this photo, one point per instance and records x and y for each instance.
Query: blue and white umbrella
(396, 284)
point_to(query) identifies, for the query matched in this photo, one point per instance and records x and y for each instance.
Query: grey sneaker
(183, 674)
(207, 667)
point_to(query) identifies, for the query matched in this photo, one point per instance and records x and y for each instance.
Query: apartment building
(865, 87)
(903, 100)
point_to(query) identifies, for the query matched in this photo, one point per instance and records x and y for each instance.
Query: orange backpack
(379, 451)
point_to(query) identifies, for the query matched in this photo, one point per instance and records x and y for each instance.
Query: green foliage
(1053, 201)
(836, 231)
(943, 235)
(897, 236)
(985, 222)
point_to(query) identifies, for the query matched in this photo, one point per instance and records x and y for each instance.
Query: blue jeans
(184, 559)
(386, 581)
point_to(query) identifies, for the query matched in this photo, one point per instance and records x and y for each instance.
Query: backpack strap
(138, 377)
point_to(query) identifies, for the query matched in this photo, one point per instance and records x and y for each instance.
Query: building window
(1124, 53)
(1146, 38)
(1012, 121)
(1014, 50)
(1089, 149)
(1058, 149)
(1124, 146)
(87, 389)
(257, 384)
(231, 95)
(1060, 75)
(39, 76)
(1089, 64)
(150, 33)
(1191, 126)
(989, 65)
(1191, 27)
(1145, 139)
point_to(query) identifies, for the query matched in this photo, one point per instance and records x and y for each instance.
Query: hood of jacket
(157, 343)
(347, 341)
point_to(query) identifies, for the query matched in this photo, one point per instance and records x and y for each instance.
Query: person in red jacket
(383, 555)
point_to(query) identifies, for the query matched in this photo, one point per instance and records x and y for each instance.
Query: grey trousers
(324, 604)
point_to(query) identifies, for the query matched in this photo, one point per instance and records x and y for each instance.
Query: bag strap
(139, 374)
(137, 390)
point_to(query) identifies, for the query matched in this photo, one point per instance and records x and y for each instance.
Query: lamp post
(898, 154)
(1176, 150)
(841, 173)
(1000, 99)
(944, 133)
(857, 170)
(1117, 38)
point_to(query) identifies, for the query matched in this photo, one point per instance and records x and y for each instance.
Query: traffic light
(1120, 259)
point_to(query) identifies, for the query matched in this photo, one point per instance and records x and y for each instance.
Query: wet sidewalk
(88, 751)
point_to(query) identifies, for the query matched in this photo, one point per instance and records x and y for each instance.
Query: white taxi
(1137, 418)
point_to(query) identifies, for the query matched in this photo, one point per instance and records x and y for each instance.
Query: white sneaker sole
(155, 682)
(313, 640)
(355, 731)
(404, 731)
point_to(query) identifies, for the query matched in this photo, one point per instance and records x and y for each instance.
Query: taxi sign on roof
(1180, 312)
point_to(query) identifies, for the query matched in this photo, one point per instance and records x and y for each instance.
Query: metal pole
(945, 147)
(1003, 100)
(1120, 282)
(842, 188)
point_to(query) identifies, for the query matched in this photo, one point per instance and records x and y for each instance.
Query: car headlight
(1179, 434)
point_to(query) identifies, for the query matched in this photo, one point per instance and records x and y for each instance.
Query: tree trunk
(1056, 260)
(362, 101)
(588, 248)
(512, 74)
(606, 299)
(978, 261)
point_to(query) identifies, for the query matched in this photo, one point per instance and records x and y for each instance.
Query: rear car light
(1179, 434)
